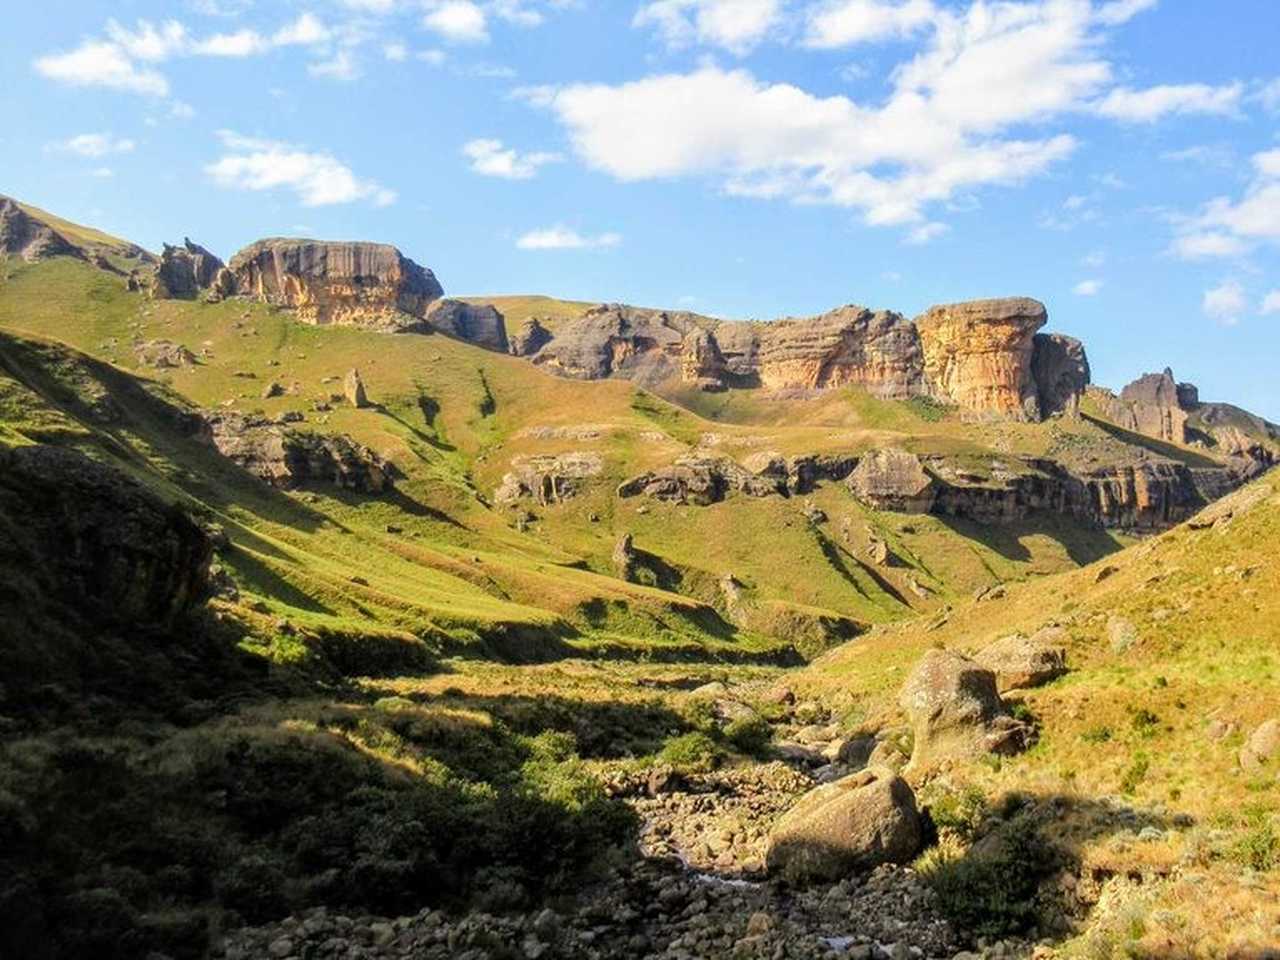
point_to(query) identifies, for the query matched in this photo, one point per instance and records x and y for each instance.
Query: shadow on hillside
(839, 558)
(1083, 544)
(1169, 450)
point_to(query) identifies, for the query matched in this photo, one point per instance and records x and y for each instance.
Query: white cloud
(316, 178)
(395, 52)
(1225, 303)
(1116, 12)
(561, 237)
(1087, 288)
(1206, 245)
(341, 66)
(491, 159)
(927, 233)
(435, 58)
(98, 64)
(149, 42)
(1148, 106)
(306, 31)
(242, 43)
(1267, 164)
(95, 145)
(844, 23)
(735, 25)
(1208, 155)
(458, 21)
(1270, 303)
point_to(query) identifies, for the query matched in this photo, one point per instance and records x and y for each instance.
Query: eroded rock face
(529, 339)
(358, 284)
(1151, 406)
(614, 340)
(23, 236)
(188, 272)
(893, 480)
(856, 823)
(481, 324)
(163, 354)
(1060, 370)
(353, 389)
(977, 355)
(287, 458)
(956, 712)
(701, 480)
(98, 540)
(548, 479)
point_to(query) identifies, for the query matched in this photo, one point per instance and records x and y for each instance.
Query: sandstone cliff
(355, 284)
(23, 236)
(188, 272)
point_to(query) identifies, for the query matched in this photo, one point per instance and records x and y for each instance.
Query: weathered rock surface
(613, 340)
(1262, 750)
(480, 324)
(956, 712)
(188, 272)
(856, 823)
(977, 355)
(548, 479)
(163, 354)
(287, 458)
(1151, 406)
(359, 284)
(25, 237)
(1061, 373)
(702, 480)
(529, 339)
(1020, 662)
(97, 540)
(353, 389)
(893, 480)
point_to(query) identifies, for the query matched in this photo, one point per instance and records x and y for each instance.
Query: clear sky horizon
(1116, 159)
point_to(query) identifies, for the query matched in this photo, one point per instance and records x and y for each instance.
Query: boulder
(1262, 749)
(163, 355)
(1020, 662)
(480, 324)
(893, 480)
(977, 355)
(856, 823)
(353, 390)
(357, 284)
(548, 479)
(625, 557)
(956, 712)
(287, 458)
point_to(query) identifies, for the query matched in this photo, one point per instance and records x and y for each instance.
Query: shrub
(960, 812)
(1259, 848)
(1135, 773)
(751, 735)
(694, 752)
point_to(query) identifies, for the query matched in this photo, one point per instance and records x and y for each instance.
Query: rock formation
(977, 355)
(25, 237)
(613, 340)
(287, 458)
(956, 711)
(481, 325)
(1060, 370)
(547, 479)
(188, 272)
(353, 390)
(529, 339)
(893, 480)
(1151, 406)
(702, 480)
(1020, 662)
(163, 354)
(1262, 749)
(357, 284)
(856, 823)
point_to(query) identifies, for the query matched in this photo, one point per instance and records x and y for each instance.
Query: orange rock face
(977, 355)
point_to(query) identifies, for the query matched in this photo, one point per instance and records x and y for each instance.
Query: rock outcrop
(287, 458)
(29, 239)
(97, 540)
(894, 480)
(189, 272)
(356, 284)
(977, 355)
(856, 823)
(613, 340)
(1020, 662)
(1262, 750)
(701, 480)
(956, 712)
(1152, 406)
(1061, 373)
(163, 354)
(353, 390)
(547, 479)
(529, 339)
(482, 325)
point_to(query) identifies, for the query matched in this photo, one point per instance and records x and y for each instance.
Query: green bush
(1259, 848)
(961, 811)
(693, 752)
(750, 735)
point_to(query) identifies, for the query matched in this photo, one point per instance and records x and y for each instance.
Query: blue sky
(1117, 159)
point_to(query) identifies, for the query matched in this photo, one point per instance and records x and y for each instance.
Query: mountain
(322, 589)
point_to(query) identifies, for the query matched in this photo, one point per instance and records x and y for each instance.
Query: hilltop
(320, 571)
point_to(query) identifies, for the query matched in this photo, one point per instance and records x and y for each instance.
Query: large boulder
(357, 284)
(956, 712)
(893, 480)
(977, 355)
(856, 823)
(163, 354)
(1020, 662)
(481, 324)
(1262, 750)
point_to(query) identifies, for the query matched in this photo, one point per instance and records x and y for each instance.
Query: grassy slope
(1204, 605)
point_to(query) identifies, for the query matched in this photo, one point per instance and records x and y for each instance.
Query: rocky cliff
(355, 284)
(187, 272)
(23, 236)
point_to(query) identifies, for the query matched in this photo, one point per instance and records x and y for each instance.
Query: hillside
(323, 591)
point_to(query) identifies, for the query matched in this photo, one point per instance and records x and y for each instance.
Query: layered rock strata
(29, 239)
(189, 272)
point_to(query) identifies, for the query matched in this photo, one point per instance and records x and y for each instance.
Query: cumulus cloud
(1225, 227)
(845, 23)
(1087, 288)
(458, 21)
(927, 233)
(316, 178)
(1207, 245)
(491, 158)
(1154, 103)
(560, 237)
(736, 25)
(95, 145)
(1116, 12)
(1225, 303)
(98, 64)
